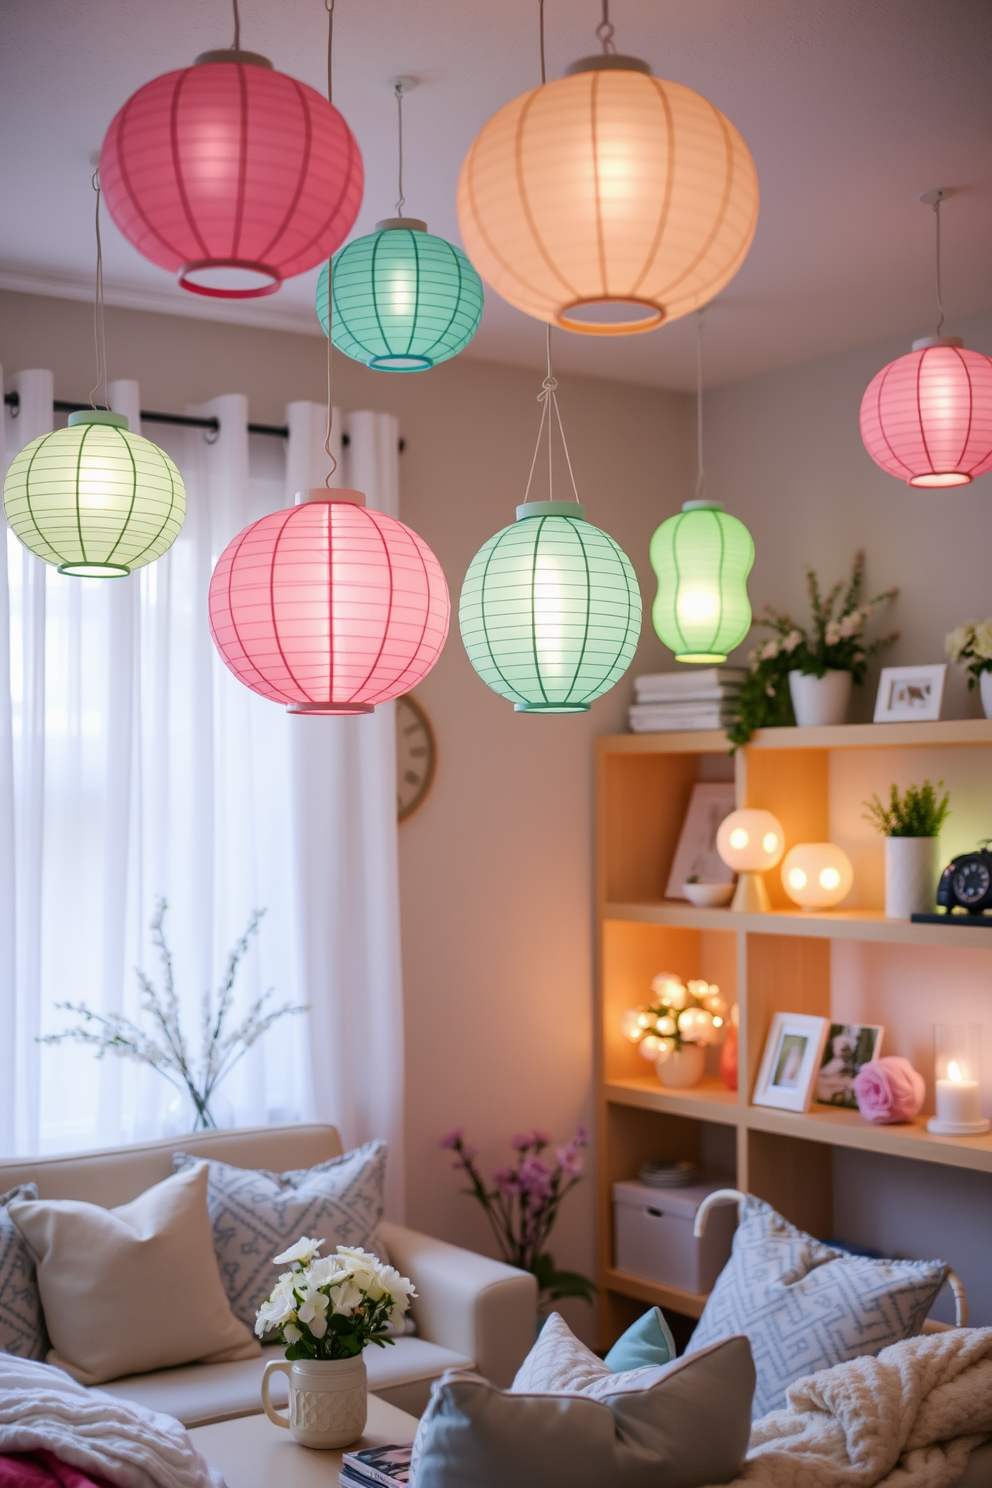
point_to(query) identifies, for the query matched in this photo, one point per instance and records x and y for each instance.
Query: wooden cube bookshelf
(815, 781)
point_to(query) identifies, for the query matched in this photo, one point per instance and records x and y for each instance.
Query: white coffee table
(252, 1453)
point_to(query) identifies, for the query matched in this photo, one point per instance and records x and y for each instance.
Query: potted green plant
(910, 824)
(970, 646)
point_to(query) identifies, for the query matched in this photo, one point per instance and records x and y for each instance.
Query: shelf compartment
(838, 1128)
(850, 924)
(710, 1101)
(690, 1304)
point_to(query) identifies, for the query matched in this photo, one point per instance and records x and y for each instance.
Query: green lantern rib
(485, 629)
(585, 634)
(678, 580)
(79, 461)
(533, 599)
(375, 297)
(134, 497)
(27, 496)
(440, 337)
(166, 519)
(416, 294)
(590, 696)
(723, 555)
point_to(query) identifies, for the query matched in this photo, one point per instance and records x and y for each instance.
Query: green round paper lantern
(550, 610)
(404, 300)
(702, 559)
(94, 499)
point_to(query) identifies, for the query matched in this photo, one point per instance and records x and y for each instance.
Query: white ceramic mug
(328, 1400)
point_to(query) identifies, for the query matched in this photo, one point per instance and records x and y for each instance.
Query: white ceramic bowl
(708, 895)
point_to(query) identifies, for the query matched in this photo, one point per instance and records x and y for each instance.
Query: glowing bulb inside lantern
(770, 842)
(797, 878)
(739, 838)
(954, 1072)
(697, 604)
(549, 603)
(829, 878)
(717, 1022)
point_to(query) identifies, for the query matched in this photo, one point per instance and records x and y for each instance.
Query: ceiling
(850, 108)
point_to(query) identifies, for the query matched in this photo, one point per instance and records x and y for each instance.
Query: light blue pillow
(648, 1341)
(805, 1306)
(22, 1322)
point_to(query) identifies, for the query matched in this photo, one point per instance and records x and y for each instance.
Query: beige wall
(497, 865)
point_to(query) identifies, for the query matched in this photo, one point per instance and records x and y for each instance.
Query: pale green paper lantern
(94, 499)
(404, 300)
(702, 558)
(550, 610)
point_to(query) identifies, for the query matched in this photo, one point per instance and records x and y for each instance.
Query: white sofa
(470, 1312)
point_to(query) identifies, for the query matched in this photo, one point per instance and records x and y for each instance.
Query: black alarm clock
(966, 882)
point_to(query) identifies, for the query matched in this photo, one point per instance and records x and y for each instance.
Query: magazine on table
(377, 1467)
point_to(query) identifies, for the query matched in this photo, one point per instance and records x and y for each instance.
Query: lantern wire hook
(604, 31)
(236, 43)
(99, 319)
(549, 404)
(398, 90)
(700, 473)
(936, 219)
(333, 464)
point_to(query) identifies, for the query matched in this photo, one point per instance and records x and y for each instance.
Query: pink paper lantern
(328, 607)
(927, 417)
(231, 174)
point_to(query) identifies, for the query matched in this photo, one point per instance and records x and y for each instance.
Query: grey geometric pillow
(22, 1322)
(805, 1306)
(257, 1215)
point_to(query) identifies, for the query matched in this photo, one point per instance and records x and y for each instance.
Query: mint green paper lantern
(550, 610)
(94, 499)
(702, 559)
(404, 300)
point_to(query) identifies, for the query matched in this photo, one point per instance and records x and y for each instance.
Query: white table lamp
(750, 841)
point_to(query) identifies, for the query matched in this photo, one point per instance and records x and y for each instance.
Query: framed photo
(696, 855)
(848, 1047)
(791, 1061)
(908, 694)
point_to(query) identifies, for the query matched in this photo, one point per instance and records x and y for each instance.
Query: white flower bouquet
(682, 1013)
(970, 645)
(330, 1307)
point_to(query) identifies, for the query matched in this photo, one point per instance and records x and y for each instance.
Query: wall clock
(416, 755)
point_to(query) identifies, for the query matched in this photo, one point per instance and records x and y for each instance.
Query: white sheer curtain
(134, 767)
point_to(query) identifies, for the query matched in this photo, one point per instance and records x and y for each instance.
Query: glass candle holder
(957, 1069)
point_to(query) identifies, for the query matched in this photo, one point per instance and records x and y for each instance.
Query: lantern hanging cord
(940, 307)
(329, 7)
(236, 43)
(700, 473)
(99, 321)
(604, 31)
(548, 401)
(401, 199)
(540, 15)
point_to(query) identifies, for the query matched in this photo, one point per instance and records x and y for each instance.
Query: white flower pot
(985, 689)
(328, 1400)
(819, 700)
(910, 876)
(682, 1069)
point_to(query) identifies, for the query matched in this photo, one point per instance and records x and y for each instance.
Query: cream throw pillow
(132, 1289)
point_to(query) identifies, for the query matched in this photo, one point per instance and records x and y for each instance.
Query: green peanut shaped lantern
(403, 299)
(94, 499)
(702, 558)
(550, 610)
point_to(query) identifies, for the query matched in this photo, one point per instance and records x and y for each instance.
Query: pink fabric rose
(889, 1090)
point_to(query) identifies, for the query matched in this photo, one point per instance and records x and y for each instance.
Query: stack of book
(376, 1467)
(668, 702)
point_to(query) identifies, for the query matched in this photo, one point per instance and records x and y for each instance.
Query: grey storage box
(654, 1239)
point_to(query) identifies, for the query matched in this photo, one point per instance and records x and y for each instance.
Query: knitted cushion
(22, 1322)
(257, 1215)
(805, 1306)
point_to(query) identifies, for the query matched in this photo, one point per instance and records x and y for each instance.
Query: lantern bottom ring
(399, 362)
(331, 710)
(94, 570)
(705, 658)
(938, 479)
(611, 315)
(251, 290)
(551, 707)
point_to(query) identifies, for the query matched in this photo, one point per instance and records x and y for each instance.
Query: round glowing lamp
(702, 558)
(750, 841)
(327, 607)
(94, 499)
(404, 300)
(817, 875)
(608, 201)
(550, 610)
(926, 418)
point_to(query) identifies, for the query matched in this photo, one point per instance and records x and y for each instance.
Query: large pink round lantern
(328, 607)
(232, 175)
(927, 417)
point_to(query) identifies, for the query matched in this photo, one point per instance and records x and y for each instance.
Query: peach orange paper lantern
(328, 607)
(608, 201)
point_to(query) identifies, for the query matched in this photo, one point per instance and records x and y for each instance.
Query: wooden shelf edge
(847, 1129)
(690, 1304)
(855, 924)
(837, 736)
(707, 1102)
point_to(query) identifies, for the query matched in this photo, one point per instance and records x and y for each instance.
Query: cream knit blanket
(907, 1418)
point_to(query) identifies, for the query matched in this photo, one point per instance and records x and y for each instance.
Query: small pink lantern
(927, 417)
(328, 607)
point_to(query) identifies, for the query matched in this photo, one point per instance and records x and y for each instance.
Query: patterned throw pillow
(257, 1215)
(805, 1306)
(22, 1322)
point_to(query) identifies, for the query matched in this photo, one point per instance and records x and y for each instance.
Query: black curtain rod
(184, 420)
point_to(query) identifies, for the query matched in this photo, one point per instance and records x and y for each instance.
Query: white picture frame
(696, 853)
(910, 694)
(791, 1061)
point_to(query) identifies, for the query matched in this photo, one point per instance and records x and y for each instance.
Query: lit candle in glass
(957, 1072)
